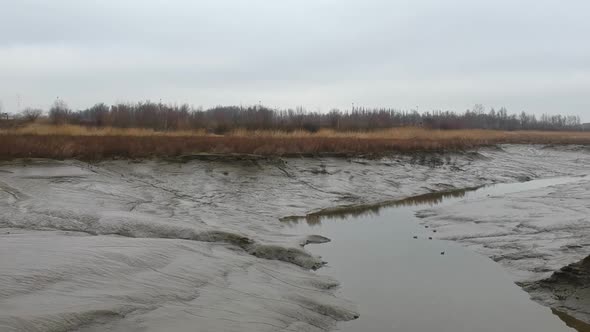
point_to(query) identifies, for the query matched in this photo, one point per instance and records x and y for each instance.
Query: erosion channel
(403, 277)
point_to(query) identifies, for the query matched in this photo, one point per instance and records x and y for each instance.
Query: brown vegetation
(46, 141)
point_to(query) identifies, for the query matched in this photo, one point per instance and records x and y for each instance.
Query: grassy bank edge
(66, 142)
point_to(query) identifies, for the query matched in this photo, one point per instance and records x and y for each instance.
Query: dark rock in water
(415, 237)
(442, 252)
(430, 237)
(425, 226)
(434, 230)
(315, 239)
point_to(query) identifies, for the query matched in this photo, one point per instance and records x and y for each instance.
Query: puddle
(400, 283)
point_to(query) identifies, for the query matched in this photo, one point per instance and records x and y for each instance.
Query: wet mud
(151, 245)
(567, 291)
(572, 322)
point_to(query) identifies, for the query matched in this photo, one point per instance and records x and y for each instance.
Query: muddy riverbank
(156, 245)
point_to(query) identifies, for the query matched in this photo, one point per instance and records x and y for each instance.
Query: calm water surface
(404, 284)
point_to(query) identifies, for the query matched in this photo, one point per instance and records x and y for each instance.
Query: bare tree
(59, 113)
(31, 114)
(220, 119)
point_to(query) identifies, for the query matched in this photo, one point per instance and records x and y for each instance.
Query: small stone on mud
(415, 237)
(434, 230)
(425, 226)
(225, 173)
(430, 237)
(442, 252)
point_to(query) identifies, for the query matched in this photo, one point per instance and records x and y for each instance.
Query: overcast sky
(531, 55)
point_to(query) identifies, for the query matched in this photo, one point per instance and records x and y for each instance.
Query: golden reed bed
(46, 141)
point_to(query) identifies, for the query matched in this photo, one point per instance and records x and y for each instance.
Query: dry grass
(408, 133)
(72, 130)
(48, 141)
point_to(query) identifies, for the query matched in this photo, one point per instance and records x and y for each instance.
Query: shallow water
(404, 284)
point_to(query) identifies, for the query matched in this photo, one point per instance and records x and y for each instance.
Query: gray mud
(567, 291)
(197, 245)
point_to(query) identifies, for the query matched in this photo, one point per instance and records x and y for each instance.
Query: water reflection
(367, 210)
(572, 322)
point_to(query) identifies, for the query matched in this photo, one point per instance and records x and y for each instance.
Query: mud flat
(156, 245)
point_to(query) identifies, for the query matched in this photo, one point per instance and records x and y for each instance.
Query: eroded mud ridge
(566, 290)
(197, 245)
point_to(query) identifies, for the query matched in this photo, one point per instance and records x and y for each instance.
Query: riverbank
(63, 142)
(153, 245)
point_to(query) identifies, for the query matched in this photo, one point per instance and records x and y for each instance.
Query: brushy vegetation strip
(87, 143)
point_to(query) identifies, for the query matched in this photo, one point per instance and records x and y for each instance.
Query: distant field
(48, 141)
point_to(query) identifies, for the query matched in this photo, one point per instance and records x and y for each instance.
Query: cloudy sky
(531, 55)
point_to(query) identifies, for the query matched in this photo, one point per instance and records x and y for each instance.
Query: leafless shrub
(59, 113)
(31, 114)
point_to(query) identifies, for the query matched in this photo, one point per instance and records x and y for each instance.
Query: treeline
(221, 119)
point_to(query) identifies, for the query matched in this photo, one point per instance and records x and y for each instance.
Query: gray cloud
(525, 55)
